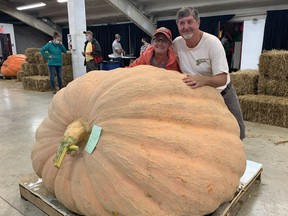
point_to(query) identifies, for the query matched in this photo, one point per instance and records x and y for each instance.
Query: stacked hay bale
(36, 83)
(35, 74)
(20, 75)
(270, 106)
(273, 68)
(29, 69)
(41, 64)
(67, 71)
(245, 81)
(31, 79)
(265, 109)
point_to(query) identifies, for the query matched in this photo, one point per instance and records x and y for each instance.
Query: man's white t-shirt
(207, 58)
(116, 45)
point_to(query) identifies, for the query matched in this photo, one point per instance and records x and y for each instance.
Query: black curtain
(207, 24)
(211, 24)
(105, 36)
(136, 34)
(170, 24)
(130, 32)
(65, 32)
(276, 30)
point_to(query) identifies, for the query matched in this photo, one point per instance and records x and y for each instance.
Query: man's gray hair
(187, 11)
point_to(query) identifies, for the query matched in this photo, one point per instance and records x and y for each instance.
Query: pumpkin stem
(74, 133)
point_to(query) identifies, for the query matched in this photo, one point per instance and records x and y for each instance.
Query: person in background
(118, 52)
(92, 52)
(144, 46)
(53, 52)
(202, 57)
(159, 53)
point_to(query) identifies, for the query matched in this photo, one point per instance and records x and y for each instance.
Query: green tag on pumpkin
(93, 139)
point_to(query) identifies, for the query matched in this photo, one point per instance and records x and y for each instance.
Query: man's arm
(118, 48)
(195, 81)
(96, 49)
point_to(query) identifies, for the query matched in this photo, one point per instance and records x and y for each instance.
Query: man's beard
(187, 35)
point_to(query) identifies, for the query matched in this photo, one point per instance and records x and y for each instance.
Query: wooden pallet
(7, 77)
(32, 189)
(248, 182)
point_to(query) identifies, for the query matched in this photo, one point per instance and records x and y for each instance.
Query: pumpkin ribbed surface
(12, 65)
(165, 149)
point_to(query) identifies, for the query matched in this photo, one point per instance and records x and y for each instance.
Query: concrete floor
(22, 111)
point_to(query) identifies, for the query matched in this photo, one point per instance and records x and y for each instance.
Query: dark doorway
(231, 38)
(5, 47)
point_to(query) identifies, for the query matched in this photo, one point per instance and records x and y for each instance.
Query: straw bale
(42, 69)
(39, 58)
(67, 74)
(30, 69)
(29, 53)
(36, 83)
(67, 58)
(245, 81)
(20, 75)
(265, 109)
(23, 66)
(274, 64)
(273, 87)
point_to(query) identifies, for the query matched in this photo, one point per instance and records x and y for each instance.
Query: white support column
(77, 24)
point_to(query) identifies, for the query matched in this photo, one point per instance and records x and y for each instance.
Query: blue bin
(109, 65)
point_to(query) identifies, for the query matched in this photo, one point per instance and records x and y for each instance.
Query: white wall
(9, 29)
(252, 41)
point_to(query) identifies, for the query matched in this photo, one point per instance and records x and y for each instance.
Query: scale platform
(32, 189)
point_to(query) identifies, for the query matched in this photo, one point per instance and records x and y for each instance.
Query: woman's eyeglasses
(158, 40)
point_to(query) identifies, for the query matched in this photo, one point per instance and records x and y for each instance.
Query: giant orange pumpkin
(165, 149)
(12, 65)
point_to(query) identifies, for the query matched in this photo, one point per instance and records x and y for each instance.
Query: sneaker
(54, 91)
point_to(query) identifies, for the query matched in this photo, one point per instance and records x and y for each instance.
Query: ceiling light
(61, 1)
(36, 5)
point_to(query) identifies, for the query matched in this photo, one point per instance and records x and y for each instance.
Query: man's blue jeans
(58, 71)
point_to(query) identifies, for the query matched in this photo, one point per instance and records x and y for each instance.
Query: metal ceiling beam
(158, 6)
(132, 13)
(29, 20)
(60, 12)
(240, 14)
(91, 17)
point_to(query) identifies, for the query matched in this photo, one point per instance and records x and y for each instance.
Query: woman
(144, 46)
(53, 52)
(159, 53)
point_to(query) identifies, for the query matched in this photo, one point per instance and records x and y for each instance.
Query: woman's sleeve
(63, 49)
(44, 49)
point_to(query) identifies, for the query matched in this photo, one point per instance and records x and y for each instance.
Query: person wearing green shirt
(53, 52)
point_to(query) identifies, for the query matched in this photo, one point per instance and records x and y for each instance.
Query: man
(92, 52)
(144, 46)
(117, 50)
(202, 57)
